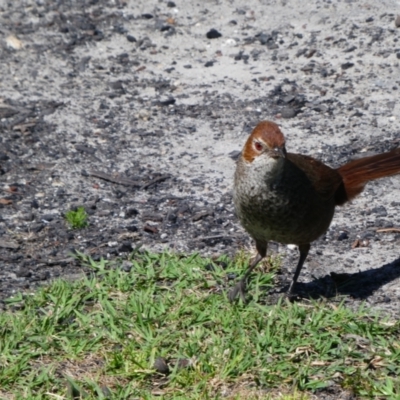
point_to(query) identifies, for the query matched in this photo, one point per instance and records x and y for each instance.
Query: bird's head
(266, 140)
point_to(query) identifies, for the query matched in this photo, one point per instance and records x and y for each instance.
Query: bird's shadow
(360, 285)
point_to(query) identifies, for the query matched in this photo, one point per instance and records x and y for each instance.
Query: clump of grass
(102, 337)
(77, 219)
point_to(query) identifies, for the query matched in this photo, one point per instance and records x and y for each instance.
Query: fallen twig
(214, 237)
(114, 179)
(387, 230)
(155, 180)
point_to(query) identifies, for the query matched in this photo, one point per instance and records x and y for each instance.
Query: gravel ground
(137, 109)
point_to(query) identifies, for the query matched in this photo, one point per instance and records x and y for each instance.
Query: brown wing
(326, 180)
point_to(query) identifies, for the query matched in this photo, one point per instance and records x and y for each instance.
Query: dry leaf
(5, 201)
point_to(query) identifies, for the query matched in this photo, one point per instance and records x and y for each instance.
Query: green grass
(100, 337)
(77, 219)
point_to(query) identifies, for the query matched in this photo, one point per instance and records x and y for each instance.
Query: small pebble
(343, 236)
(213, 34)
(167, 102)
(210, 267)
(288, 112)
(347, 65)
(161, 366)
(13, 42)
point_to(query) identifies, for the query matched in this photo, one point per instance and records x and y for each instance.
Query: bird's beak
(280, 152)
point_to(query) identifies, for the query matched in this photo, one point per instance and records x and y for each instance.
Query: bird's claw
(238, 289)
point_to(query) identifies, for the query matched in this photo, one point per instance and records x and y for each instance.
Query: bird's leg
(240, 287)
(304, 249)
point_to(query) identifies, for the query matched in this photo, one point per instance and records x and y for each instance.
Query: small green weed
(77, 219)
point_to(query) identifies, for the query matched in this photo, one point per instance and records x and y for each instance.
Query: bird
(291, 198)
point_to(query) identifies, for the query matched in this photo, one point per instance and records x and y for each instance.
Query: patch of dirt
(131, 110)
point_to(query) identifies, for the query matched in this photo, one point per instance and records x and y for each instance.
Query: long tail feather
(357, 173)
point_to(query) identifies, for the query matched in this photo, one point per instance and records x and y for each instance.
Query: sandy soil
(137, 93)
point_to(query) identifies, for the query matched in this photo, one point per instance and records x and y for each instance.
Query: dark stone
(350, 49)
(126, 247)
(263, 38)
(167, 28)
(150, 229)
(347, 65)
(167, 102)
(343, 236)
(213, 34)
(288, 112)
(37, 227)
(210, 267)
(6, 112)
(131, 212)
(120, 29)
(267, 40)
(161, 366)
(172, 218)
(23, 273)
(4, 156)
(380, 210)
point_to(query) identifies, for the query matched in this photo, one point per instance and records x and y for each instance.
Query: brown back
(324, 179)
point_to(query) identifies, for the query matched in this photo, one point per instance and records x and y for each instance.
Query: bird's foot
(238, 289)
(292, 297)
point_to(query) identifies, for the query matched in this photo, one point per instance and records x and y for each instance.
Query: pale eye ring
(258, 146)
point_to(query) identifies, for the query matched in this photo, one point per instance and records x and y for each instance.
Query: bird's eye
(258, 146)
